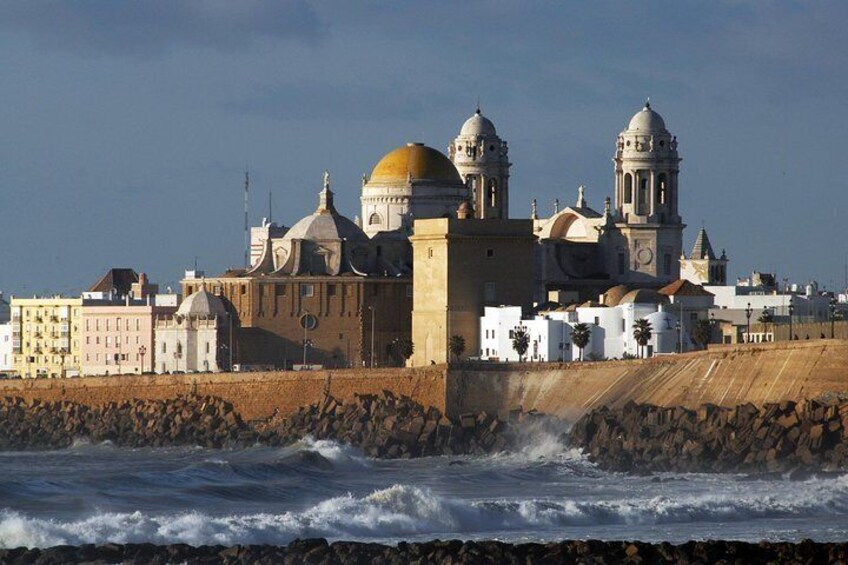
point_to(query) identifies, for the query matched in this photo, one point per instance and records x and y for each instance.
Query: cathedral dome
(202, 303)
(415, 162)
(324, 226)
(646, 120)
(478, 124)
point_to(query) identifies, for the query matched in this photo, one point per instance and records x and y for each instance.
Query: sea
(547, 491)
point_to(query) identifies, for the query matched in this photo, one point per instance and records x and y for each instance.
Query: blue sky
(125, 127)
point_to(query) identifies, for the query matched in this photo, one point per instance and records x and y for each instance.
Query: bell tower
(646, 201)
(482, 159)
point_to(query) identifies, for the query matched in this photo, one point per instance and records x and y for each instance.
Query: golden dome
(418, 161)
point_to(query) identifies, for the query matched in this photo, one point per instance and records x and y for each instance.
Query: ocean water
(100, 493)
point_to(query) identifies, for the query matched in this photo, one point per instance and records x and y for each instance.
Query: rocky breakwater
(190, 420)
(789, 436)
(386, 426)
(433, 552)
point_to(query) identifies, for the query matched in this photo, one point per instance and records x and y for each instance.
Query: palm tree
(456, 345)
(520, 341)
(580, 335)
(702, 333)
(642, 332)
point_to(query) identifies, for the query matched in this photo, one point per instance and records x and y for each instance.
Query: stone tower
(646, 196)
(703, 267)
(482, 159)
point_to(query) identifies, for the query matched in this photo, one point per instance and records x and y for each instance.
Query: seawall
(724, 375)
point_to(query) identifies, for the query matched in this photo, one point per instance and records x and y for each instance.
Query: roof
(702, 248)
(120, 280)
(643, 296)
(614, 295)
(202, 303)
(415, 162)
(478, 124)
(647, 120)
(682, 287)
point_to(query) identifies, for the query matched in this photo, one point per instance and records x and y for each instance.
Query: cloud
(154, 27)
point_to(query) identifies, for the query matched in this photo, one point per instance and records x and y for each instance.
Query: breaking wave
(403, 512)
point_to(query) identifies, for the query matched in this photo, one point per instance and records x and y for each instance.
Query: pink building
(117, 339)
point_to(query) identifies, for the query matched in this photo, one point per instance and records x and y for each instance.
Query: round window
(491, 148)
(308, 322)
(628, 144)
(459, 148)
(662, 143)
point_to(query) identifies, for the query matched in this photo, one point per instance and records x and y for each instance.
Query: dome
(417, 161)
(478, 124)
(202, 303)
(323, 226)
(643, 296)
(613, 296)
(646, 120)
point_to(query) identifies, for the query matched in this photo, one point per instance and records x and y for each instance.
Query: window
(409, 291)
(307, 290)
(331, 289)
(490, 253)
(280, 289)
(430, 253)
(597, 321)
(375, 219)
(628, 189)
(667, 264)
(643, 196)
(661, 194)
(164, 347)
(207, 347)
(490, 292)
(492, 193)
(243, 289)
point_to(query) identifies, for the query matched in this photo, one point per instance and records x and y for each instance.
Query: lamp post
(748, 312)
(791, 310)
(141, 351)
(832, 318)
(305, 321)
(679, 329)
(373, 310)
(712, 326)
(62, 353)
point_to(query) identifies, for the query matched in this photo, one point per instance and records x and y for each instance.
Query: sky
(126, 127)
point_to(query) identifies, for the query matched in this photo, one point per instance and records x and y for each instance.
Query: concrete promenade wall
(724, 375)
(254, 395)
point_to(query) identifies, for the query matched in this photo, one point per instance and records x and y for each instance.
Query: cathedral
(345, 286)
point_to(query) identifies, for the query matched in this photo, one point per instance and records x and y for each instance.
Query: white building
(611, 329)
(6, 352)
(195, 339)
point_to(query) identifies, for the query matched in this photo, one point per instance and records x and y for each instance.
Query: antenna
(195, 263)
(270, 207)
(246, 225)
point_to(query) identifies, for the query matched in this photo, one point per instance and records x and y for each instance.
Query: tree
(702, 333)
(456, 346)
(642, 332)
(520, 341)
(580, 335)
(401, 349)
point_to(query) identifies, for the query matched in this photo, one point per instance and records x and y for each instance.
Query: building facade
(195, 339)
(46, 337)
(463, 265)
(702, 267)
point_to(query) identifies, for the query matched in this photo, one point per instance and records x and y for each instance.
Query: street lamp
(748, 312)
(373, 310)
(141, 351)
(62, 353)
(832, 317)
(791, 310)
(679, 329)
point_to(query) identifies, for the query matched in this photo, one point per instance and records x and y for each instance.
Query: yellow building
(45, 336)
(461, 266)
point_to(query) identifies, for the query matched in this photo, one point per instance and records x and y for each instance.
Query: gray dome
(202, 303)
(478, 124)
(646, 120)
(326, 226)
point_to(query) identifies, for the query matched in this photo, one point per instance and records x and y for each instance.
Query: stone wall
(254, 395)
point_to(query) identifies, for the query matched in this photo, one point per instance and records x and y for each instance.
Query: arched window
(661, 189)
(375, 219)
(628, 189)
(643, 196)
(492, 193)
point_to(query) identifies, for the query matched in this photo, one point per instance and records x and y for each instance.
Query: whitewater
(101, 493)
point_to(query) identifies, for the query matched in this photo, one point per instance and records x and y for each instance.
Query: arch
(642, 200)
(375, 219)
(492, 193)
(628, 188)
(661, 189)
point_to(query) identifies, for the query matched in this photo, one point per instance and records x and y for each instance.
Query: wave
(402, 511)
